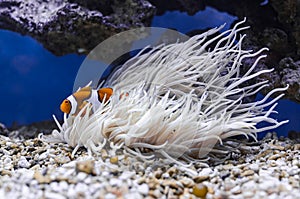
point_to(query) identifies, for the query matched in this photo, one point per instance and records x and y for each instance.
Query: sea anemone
(181, 99)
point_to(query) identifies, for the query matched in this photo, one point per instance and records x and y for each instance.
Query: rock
(199, 179)
(86, 167)
(114, 160)
(205, 172)
(247, 173)
(143, 189)
(187, 182)
(64, 26)
(275, 25)
(23, 163)
(3, 130)
(191, 7)
(200, 190)
(254, 167)
(40, 178)
(294, 135)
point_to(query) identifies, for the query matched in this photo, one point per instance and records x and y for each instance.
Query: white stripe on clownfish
(75, 102)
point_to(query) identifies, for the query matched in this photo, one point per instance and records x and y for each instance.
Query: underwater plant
(177, 100)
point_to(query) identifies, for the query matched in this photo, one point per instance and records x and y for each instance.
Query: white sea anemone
(181, 99)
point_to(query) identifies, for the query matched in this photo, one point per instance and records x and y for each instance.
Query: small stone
(296, 163)
(247, 173)
(143, 189)
(236, 190)
(86, 167)
(158, 173)
(254, 167)
(7, 160)
(110, 196)
(62, 159)
(155, 193)
(171, 171)
(104, 154)
(6, 172)
(49, 194)
(23, 163)
(127, 175)
(236, 172)
(115, 182)
(205, 172)
(14, 146)
(200, 190)
(278, 147)
(224, 174)
(141, 180)
(273, 163)
(187, 182)
(210, 190)
(81, 176)
(275, 157)
(296, 147)
(63, 185)
(134, 195)
(40, 178)
(165, 176)
(114, 160)
(43, 156)
(228, 184)
(199, 179)
(248, 194)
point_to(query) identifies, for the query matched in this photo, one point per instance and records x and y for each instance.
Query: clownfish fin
(104, 94)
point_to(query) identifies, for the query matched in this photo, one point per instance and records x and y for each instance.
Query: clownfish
(75, 102)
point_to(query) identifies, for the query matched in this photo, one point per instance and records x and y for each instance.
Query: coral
(181, 99)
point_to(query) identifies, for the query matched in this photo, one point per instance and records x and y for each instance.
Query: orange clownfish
(75, 102)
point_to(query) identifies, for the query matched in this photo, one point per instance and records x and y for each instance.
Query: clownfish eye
(66, 106)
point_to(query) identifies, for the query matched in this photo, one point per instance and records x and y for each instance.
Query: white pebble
(134, 195)
(126, 175)
(143, 189)
(295, 163)
(249, 186)
(7, 160)
(254, 167)
(267, 185)
(52, 195)
(115, 182)
(43, 155)
(55, 186)
(293, 170)
(248, 194)
(81, 176)
(110, 196)
(64, 185)
(23, 163)
(205, 172)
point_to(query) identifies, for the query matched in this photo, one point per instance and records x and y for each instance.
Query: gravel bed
(31, 168)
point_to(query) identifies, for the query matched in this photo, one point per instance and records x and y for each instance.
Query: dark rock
(104, 6)
(294, 135)
(275, 25)
(189, 6)
(32, 130)
(286, 10)
(65, 27)
(3, 130)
